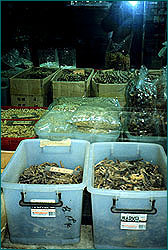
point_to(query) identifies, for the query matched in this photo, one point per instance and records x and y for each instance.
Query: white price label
(133, 221)
(36, 211)
(61, 170)
(133, 225)
(43, 212)
(133, 217)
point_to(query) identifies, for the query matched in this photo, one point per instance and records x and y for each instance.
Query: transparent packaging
(86, 121)
(117, 54)
(54, 122)
(67, 57)
(141, 92)
(161, 85)
(96, 117)
(72, 103)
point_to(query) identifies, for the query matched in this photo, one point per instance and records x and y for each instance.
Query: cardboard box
(29, 100)
(109, 90)
(21, 86)
(71, 89)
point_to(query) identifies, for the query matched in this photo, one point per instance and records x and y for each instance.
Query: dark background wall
(41, 25)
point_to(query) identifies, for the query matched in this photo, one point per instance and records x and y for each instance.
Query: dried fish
(37, 73)
(22, 113)
(16, 131)
(137, 175)
(114, 76)
(69, 76)
(43, 174)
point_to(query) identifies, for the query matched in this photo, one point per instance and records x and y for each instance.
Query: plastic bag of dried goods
(117, 54)
(67, 57)
(161, 85)
(144, 123)
(66, 103)
(72, 103)
(141, 92)
(54, 122)
(97, 117)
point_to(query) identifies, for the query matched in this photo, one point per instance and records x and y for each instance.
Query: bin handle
(23, 203)
(153, 210)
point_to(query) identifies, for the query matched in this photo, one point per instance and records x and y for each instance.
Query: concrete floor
(86, 242)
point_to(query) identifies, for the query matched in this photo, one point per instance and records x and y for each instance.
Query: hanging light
(133, 3)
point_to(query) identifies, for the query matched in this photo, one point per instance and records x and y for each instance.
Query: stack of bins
(61, 226)
(108, 204)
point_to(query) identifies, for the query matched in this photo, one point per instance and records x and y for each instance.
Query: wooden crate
(71, 89)
(5, 158)
(19, 86)
(109, 90)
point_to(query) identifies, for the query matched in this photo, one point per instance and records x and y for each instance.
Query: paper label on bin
(133, 221)
(133, 225)
(61, 170)
(37, 211)
(43, 212)
(44, 143)
(133, 217)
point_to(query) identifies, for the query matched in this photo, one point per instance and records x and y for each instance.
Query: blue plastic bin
(106, 222)
(60, 226)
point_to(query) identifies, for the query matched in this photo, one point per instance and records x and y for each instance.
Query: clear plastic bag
(54, 122)
(13, 59)
(141, 92)
(117, 54)
(96, 117)
(143, 123)
(72, 103)
(67, 57)
(161, 85)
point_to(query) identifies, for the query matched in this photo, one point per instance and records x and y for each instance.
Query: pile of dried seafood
(128, 175)
(48, 173)
(22, 113)
(37, 73)
(114, 76)
(18, 129)
(70, 75)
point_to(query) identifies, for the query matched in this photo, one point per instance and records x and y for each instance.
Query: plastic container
(106, 222)
(3, 218)
(112, 137)
(57, 227)
(147, 139)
